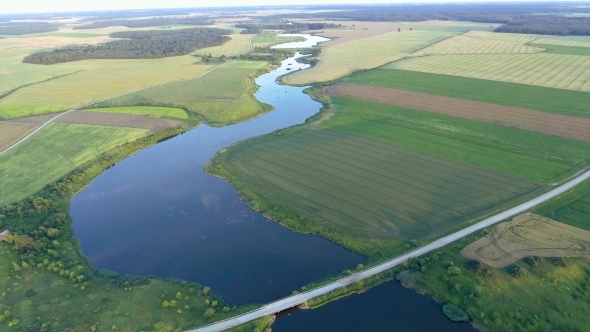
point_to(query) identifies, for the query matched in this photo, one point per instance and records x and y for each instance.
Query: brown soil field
(11, 133)
(354, 30)
(528, 235)
(37, 119)
(541, 122)
(119, 120)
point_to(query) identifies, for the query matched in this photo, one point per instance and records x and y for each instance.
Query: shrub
(472, 265)
(516, 271)
(531, 261)
(209, 313)
(454, 271)
(455, 314)
(558, 261)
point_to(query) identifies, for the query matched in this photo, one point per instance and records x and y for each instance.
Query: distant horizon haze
(38, 6)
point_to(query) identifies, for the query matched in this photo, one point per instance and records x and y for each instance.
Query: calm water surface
(157, 213)
(386, 308)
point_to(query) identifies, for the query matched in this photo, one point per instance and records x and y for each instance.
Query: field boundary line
(103, 100)
(295, 300)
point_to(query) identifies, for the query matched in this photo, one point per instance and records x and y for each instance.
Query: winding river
(158, 213)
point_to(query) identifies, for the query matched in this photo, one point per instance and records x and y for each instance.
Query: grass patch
(566, 102)
(465, 44)
(12, 111)
(154, 112)
(54, 152)
(561, 49)
(343, 59)
(238, 45)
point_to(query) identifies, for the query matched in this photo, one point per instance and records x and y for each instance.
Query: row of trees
(149, 22)
(139, 45)
(256, 28)
(23, 28)
(548, 25)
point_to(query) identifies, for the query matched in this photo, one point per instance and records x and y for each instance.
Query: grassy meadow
(561, 49)
(566, 102)
(54, 152)
(572, 208)
(222, 96)
(343, 59)
(270, 39)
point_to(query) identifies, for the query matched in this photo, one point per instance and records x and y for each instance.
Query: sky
(39, 6)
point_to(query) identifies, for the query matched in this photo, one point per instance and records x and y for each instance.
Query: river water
(157, 213)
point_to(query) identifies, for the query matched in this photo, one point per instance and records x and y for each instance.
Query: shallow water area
(385, 308)
(310, 41)
(158, 213)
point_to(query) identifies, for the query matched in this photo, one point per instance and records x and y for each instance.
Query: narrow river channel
(158, 213)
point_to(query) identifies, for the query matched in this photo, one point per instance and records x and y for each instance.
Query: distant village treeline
(139, 45)
(23, 28)
(287, 27)
(149, 22)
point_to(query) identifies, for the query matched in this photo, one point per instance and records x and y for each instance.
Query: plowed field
(541, 122)
(11, 133)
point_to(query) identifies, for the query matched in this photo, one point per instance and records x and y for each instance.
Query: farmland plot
(54, 152)
(220, 97)
(543, 69)
(238, 45)
(575, 41)
(572, 209)
(343, 59)
(470, 45)
(11, 133)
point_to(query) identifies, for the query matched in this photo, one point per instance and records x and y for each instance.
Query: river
(158, 213)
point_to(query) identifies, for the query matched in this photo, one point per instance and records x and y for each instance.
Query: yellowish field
(465, 44)
(101, 79)
(576, 41)
(239, 44)
(543, 69)
(509, 37)
(151, 111)
(11, 133)
(342, 59)
(528, 235)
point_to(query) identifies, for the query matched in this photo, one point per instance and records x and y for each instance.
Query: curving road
(295, 300)
(99, 101)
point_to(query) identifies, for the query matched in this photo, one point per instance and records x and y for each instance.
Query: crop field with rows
(576, 41)
(572, 209)
(471, 45)
(54, 152)
(543, 69)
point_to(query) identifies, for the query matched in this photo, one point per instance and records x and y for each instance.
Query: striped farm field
(471, 45)
(342, 59)
(575, 41)
(542, 69)
(54, 152)
(507, 37)
(572, 209)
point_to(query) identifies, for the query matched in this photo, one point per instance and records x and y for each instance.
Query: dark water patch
(385, 308)
(157, 213)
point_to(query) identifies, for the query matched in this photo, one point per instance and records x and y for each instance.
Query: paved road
(99, 101)
(295, 300)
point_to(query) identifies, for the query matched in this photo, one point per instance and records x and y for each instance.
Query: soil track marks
(528, 235)
(541, 122)
(119, 120)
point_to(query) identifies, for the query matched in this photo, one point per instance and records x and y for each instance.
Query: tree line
(24, 28)
(139, 45)
(548, 25)
(257, 28)
(149, 22)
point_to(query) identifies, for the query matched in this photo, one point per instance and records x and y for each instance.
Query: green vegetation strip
(567, 102)
(572, 208)
(559, 49)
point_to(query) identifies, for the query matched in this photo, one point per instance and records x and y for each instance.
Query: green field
(374, 175)
(54, 152)
(576, 41)
(572, 208)
(566, 102)
(561, 49)
(270, 39)
(154, 112)
(220, 97)
(544, 69)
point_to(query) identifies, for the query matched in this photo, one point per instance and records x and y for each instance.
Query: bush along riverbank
(47, 284)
